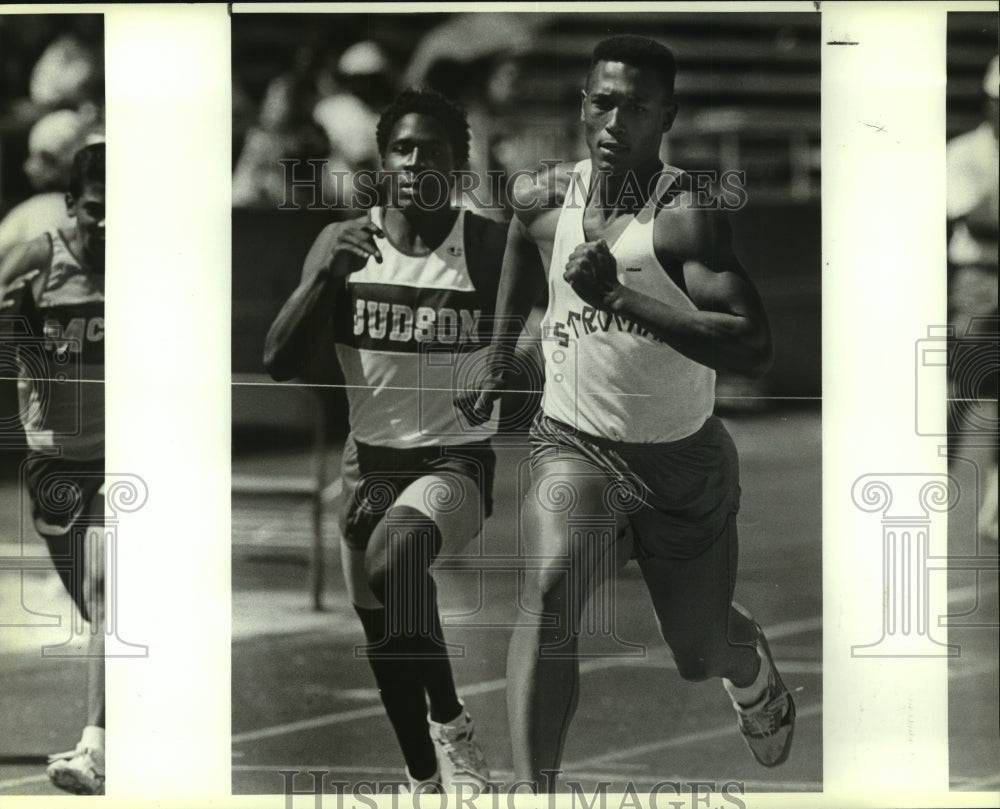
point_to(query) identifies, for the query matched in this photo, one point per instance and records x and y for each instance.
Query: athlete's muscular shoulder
(538, 198)
(687, 230)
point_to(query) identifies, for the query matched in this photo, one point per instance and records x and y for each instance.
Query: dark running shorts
(373, 478)
(677, 496)
(62, 492)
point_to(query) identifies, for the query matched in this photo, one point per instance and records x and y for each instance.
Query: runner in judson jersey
(410, 288)
(646, 300)
(53, 294)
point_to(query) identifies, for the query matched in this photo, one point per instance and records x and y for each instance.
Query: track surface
(301, 700)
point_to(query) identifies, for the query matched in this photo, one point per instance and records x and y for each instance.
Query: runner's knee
(550, 585)
(405, 546)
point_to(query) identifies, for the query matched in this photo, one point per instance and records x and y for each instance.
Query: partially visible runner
(412, 281)
(54, 286)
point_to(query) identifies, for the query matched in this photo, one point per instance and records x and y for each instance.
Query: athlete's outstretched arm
(342, 248)
(728, 328)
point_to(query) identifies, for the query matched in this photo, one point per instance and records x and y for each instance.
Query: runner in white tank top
(606, 374)
(632, 337)
(410, 290)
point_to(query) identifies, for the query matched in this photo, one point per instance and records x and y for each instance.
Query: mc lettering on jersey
(595, 321)
(400, 323)
(74, 334)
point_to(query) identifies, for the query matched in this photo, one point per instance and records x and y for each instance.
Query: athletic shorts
(62, 491)
(678, 496)
(374, 477)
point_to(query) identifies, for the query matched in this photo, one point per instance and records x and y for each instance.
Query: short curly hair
(431, 103)
(639, 52)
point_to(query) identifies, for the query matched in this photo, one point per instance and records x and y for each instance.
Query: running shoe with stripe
(768, 724)
(460, 759)
(80, 771)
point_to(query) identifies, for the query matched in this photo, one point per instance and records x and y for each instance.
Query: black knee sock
(402, 694)
(407, 589)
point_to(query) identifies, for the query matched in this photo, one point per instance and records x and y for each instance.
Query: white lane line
(340, 717)
(969, 590)
(395, 774)
(957, 672)
(979, 784)
(28, 779)
(705, 735)
(675, 741)
(774, 632)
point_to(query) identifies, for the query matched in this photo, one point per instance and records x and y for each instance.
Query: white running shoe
(80, 771)
(459, 758)
(427, 785)
(767, 726)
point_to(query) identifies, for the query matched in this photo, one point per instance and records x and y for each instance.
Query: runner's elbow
(276, 361)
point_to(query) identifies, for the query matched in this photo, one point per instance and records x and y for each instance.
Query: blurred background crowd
(51, 104)
(312, 87)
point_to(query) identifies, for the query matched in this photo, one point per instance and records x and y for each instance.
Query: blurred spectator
(69, 73)
(489, 90)
(973, 170)
(285, 130)
(476, 59)
(49, 61)
(973, 203)
(365, 78)
(52, 143)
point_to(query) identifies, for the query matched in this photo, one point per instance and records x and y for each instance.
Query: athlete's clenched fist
(593, 272)
(355, 244)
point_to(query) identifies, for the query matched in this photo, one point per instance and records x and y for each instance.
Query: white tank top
(61, 378)
(410, 334)
(604, 374)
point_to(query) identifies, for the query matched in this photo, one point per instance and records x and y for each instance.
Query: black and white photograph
(526, 403)
(52, 432)
(972, 331)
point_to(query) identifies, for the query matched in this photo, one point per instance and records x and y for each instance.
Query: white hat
(363, 59)
(991, 81)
